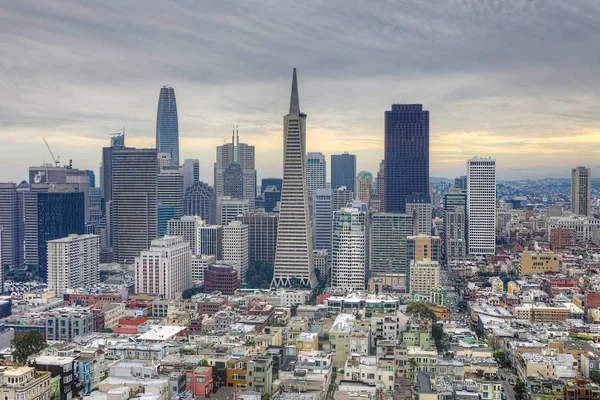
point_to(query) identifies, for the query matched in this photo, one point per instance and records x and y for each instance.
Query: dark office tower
(343, 171)
(461, 183)
(60, 214)
(266, 182)
(11, 224)
(453, 235)
(233, 182)
(134, 201)
(200, 200)
(262, 236)
(167, 127)
(92, 177)
(271, 197)
(406, 155)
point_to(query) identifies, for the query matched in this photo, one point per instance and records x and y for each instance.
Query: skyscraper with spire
(167, 126)
(293, 255)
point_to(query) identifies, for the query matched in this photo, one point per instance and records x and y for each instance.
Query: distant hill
(436, 179)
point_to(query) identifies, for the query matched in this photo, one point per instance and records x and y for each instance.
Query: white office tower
(164, 160)
(73, 262)
(229, 208)
(387, 242)
(481, 206)
(420, 208)
(243, 155)
(316, 172)
(187, 227)
(294, 252)
(191, 172)
(322, 219)
(424, 278)
(199, 264)
(235, 247)
(165, 269)
(349, 245)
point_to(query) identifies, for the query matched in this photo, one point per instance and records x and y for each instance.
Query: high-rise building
(377, 202)
(481, 206)
(167, 125)
(343, 171)
(322, 219)
(169, 196)
(186, 227)
(406, 155)
(461, 183)
(387, 241)
(454, 233)
(200, 200)
(165, 269)
(266, 182)
(134, 201)
(222, 278)
(199, 265)
(262, 236)
(190, 171)
(349, 249)
(424, 278)
(235, 247)
(233, 182)
(59, 214)
(316, 172)
(293, 258)
(11, 221)
(73, 262)
(322, 266)
(364, 184)
(341, 197)
(581, 191)
(243, 155)
(420, 207)
(271, 197)
(164, 160)
(229, 208)
(420, 247)
(92, 177)
(210, 241)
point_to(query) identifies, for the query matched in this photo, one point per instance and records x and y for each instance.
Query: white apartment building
(187, 227)
(73, 262)
(165, 269)
(235, 247)
(481, 206)
(348, 257)
(424, 277)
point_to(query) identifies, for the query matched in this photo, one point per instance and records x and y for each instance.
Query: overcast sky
(514, 80)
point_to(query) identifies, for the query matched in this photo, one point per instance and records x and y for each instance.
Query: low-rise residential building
(66, 323)
(370, 370)
(199, 381)
(19, 383)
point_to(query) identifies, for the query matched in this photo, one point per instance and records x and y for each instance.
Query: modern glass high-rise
(200, 200)
(406, 155)
(266, 182)
(167, 126)
(293, 257)
(581, 191)
(316, 172)
(343, 171)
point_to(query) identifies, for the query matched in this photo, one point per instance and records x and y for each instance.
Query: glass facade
(167, 126)
(343, 171)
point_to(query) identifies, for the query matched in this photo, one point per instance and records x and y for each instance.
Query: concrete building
(66, 323)
(235, 247)
(73, 262)
(200, 200)
(165, 269)
(322, 219)
(170, 196)
(191, 172)
(210, 241)
(294, 251)
(186, 227)
(322, 265)
(538, 263)
(581, 191)
(262, 236)
(11, 221)
(364, 184)
(316, 172)
(199, 264)
(481, 206)
(228, 208)
(420, 208)
(584, 226)
(423, 278)
(349, 249)
(341, 197)
(222, 278)
(387, 241)
(454, 234)
(24, 383)
(421, 247)
(339, 337)
(134, 191)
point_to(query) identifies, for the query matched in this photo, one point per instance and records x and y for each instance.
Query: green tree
(519, 389)
(27, 345)
(204, 363)
(420, 309)
(259, 275)
(439, 336)
(595, 376)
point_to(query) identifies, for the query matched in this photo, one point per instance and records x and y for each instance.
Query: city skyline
(524, 120)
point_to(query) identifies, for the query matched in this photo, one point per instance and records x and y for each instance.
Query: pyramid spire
(294, 100)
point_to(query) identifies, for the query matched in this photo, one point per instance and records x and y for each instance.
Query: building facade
(167, 125)
(481, 206)
(199, 199)
(349, 249)
(581, 191)
(316, 172)
(210, 241)
(73, 262)
(262, 236)
(190, 171)
(222, 278)
(187, 227)
(229, 208)
(235, 247)
(420, 208)
(322, 219)
(343, 171)
(364, 184)
(387, 241)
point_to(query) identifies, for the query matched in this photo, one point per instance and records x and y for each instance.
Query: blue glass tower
(167, 126)
(406, 161)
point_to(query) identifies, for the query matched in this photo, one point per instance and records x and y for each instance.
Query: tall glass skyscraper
(343, 171)
(167, 126)
(406, 155)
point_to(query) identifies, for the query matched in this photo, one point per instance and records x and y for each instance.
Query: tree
(420, 309)
(259, 275)
(188, 293)
(519, 389)
(595, 376)
(27, 345)
(439, 336)
(204, 363)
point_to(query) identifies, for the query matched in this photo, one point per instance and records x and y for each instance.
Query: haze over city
(514, 80)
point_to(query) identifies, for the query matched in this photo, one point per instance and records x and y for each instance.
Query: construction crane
(56, 159)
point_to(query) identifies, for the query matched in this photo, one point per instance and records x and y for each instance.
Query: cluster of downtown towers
(346, 231)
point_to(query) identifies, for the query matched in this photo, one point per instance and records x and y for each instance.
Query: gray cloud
(511, 68)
